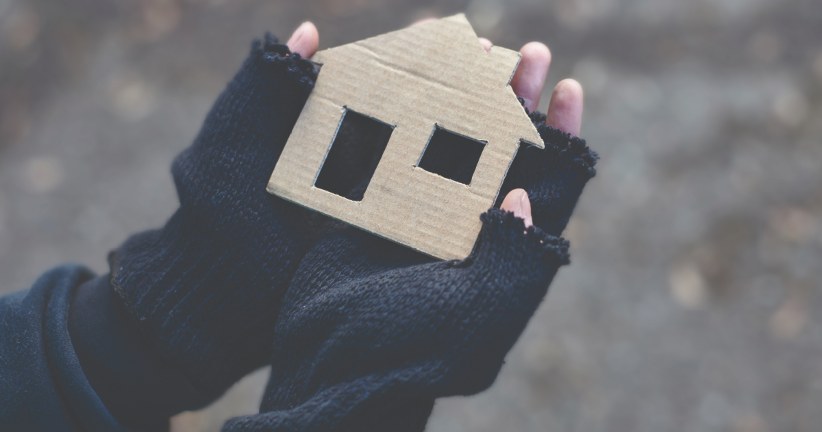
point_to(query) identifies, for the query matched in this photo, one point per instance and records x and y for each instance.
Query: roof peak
(443, 53)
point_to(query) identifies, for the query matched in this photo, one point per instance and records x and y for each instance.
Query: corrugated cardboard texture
(428, 75)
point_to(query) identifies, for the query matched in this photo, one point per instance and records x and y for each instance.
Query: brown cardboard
(435, 73)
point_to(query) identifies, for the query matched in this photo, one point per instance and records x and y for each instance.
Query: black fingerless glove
(370, 332)
(205, 290)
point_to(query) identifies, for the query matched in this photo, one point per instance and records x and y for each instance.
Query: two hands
(361, 333)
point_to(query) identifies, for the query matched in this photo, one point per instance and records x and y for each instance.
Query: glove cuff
(568, 148)
(270, 51)
(504, 233)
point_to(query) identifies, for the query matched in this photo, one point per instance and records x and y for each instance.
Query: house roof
(428, 77)
(440, 56)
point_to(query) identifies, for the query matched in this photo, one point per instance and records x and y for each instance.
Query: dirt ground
(693, 302)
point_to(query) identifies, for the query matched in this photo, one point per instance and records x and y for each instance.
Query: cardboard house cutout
(418, 83)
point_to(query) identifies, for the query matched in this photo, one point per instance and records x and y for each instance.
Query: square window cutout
(354, 155)
(451, 155)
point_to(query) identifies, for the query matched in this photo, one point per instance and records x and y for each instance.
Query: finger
(565, 108)
(530, 75)
(518, 203)
(486, 44)
(305, 40)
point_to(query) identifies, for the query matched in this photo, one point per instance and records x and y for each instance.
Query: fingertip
(517, 202)
(537, 51)
(305, 40)
(486, 44)
(565, 108)
(570, 86)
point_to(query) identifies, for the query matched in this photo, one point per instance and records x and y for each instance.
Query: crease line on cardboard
(404, 71)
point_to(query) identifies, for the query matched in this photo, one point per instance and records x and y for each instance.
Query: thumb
(517, 202)
(503, 282)
(305, 40)
(513, 260)
(510, 242)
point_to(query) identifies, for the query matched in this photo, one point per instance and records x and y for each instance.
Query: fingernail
(297, 35)
(517, 208)
(525, 208)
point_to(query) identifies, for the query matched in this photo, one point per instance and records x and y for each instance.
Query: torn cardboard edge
(426, 78)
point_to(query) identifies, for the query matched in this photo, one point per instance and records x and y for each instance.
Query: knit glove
(370, 332)
(205, 289)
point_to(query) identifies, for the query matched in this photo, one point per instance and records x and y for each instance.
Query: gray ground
(693, 302)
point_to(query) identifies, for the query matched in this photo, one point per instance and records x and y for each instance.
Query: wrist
(136, 386)
(205, 302)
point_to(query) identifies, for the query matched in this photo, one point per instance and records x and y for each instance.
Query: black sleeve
(66, 346)
(42, 385)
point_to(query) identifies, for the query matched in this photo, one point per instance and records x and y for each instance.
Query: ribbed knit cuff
(505, 234)
(568, 148)
(271, 51)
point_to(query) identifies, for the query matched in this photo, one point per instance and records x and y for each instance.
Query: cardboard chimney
(419, 83)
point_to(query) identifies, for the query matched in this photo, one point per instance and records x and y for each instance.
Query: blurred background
(693, 302)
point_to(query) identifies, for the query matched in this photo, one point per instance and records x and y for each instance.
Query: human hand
(370, 332)
(205, 289)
